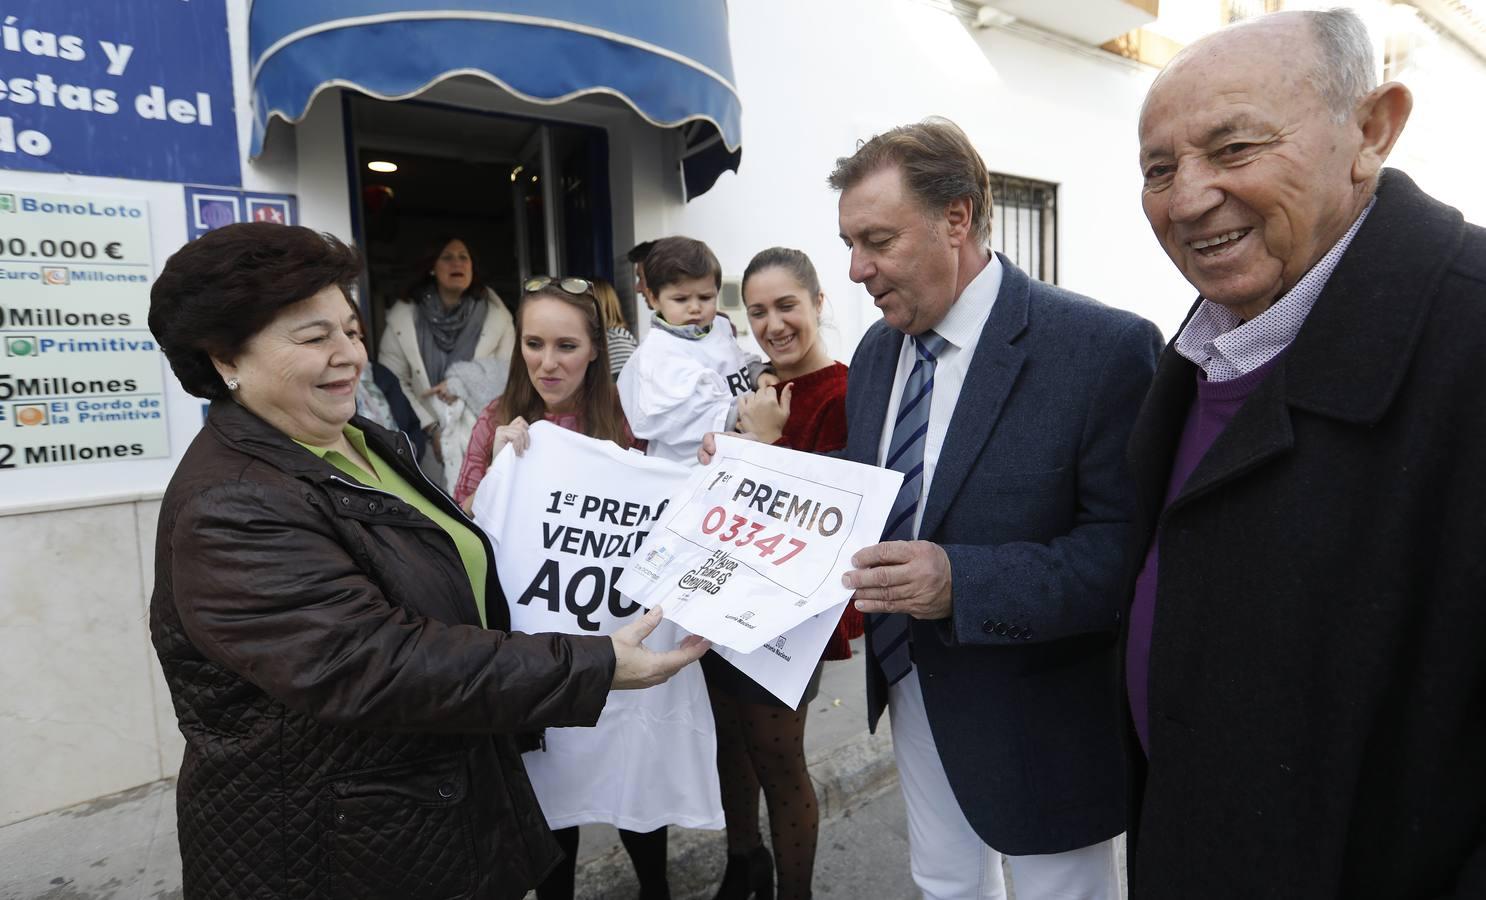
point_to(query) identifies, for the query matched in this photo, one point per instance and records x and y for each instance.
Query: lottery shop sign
(757, 542)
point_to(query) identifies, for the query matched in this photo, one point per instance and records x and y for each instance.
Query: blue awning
(668, 59)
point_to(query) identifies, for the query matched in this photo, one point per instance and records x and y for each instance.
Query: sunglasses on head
(571, 285)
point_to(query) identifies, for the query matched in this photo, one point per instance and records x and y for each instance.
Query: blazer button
(987, 627)
(446, 790)
(1000, 627)
(1026, 634)
(340, 818)
(1014, 632)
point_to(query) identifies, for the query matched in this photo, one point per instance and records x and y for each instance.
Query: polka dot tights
(760, 746)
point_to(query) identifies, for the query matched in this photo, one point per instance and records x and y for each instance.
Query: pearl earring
(232, 384)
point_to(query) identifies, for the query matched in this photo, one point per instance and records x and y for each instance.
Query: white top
(651, 759)
(675, 390)
(961, 327)
(399, 351)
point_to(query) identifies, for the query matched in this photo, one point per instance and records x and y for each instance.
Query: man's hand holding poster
(756, 544)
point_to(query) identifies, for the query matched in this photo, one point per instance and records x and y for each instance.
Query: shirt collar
(961, 326)
(358, 441)
(1226, 347)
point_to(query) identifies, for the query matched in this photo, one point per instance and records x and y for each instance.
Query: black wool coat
(1318, 661)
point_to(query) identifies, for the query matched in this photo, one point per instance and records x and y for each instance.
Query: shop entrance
(528, 196)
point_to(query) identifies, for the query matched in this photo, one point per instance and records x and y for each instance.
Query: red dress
(817, 424)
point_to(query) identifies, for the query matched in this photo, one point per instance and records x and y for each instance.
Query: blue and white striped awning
(668, 59)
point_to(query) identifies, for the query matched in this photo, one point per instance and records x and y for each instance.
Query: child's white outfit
(680, 384)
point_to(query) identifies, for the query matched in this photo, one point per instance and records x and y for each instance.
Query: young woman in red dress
(760, 741)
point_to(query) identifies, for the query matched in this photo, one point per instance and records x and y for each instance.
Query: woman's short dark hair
(674, 259)
(218, 291)
(421, 277)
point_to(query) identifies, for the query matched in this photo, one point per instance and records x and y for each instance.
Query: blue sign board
(121, 88)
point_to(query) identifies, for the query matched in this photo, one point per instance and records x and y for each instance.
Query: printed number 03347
(742, 532)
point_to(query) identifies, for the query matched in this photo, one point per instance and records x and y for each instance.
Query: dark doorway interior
(482, 177)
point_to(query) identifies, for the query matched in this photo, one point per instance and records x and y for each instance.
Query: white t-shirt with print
(564, 519)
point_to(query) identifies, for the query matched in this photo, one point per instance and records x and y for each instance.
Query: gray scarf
(447, 335)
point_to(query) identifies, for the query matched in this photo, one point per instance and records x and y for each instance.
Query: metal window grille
(1024, 224)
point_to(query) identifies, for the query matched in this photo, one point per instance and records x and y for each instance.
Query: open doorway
(528, 196)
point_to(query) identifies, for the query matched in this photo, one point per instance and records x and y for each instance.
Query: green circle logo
(21, 347)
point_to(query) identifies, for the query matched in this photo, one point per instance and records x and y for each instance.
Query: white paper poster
(565, 518)
(81, 379)
(784, 665)
(757, 542)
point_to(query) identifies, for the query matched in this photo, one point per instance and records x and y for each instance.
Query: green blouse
(386, 478)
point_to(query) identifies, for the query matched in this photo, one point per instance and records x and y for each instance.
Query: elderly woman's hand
(764, 412)
(636, 667)
(517, 434)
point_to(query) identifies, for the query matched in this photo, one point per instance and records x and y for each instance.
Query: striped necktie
(887, 633)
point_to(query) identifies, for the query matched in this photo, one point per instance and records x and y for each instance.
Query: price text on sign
(49, 248)
(81, 378)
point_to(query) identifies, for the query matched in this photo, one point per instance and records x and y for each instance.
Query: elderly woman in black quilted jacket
(331, 625)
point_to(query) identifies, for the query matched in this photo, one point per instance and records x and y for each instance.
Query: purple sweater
(1213, 407)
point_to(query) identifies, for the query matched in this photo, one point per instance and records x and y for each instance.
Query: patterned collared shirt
(1225, 347)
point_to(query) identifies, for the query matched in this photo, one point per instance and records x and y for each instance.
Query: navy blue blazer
(1032, 503)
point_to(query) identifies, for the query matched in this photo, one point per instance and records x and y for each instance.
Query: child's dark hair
(674, 259)
(795, 262)
(638, 252)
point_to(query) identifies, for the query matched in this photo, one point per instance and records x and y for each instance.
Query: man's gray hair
(1344, 71)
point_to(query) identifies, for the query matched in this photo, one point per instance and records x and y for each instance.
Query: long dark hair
(599, 412)
(422, 276)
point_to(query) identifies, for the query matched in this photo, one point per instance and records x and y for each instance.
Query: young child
(685, 378)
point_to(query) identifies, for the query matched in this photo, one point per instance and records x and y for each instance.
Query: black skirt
(724, 678)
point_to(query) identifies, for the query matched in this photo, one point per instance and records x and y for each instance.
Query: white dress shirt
(961, 328)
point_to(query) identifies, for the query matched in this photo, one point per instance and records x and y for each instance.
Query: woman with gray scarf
(448, 316)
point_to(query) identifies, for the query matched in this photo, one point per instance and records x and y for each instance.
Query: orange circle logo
(30, 415)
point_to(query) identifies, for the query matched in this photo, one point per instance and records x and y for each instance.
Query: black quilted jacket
(348, 722)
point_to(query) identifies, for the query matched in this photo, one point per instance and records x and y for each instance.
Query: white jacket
(676, 390)
(399, 351)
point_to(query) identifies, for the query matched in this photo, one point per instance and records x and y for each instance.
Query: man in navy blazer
(1007, 721)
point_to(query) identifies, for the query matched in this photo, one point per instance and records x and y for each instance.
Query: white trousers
(948, 859)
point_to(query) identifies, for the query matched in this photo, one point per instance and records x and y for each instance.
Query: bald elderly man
(1306, 642)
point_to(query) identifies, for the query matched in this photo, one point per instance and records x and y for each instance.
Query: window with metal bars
(1024, 224)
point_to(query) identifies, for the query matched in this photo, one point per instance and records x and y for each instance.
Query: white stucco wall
(816, 78)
